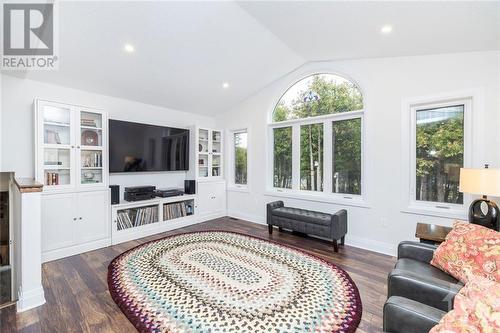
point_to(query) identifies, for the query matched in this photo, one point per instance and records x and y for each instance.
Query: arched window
(316, 130)
(318, 95)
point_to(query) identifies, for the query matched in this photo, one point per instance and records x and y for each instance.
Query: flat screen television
(135, 147)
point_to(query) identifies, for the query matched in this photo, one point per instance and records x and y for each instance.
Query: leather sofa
(332, 226)
(419, 294)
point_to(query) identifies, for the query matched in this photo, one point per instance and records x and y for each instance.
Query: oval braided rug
(219, 281)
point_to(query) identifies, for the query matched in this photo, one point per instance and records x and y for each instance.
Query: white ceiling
(184, 51)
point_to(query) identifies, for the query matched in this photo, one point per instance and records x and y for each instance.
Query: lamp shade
(480, 181)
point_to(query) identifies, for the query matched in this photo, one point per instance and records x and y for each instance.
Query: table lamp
(483, 182)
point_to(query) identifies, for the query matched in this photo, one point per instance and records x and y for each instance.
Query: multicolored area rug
(226, 282)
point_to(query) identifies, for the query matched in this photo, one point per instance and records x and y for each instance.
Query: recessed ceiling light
(225, 85)
(386, 29)
(129, 48)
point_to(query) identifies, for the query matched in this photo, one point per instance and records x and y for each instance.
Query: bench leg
(270, 228)
(335, 246)
(342, 240)
(280, 229)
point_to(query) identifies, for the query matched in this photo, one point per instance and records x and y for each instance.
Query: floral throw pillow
(469, 250)
(476, 309)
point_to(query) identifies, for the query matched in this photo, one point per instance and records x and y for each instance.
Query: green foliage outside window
(240, 158)
(347, 156)
(439, 155)
(282, 157)
(332, 94)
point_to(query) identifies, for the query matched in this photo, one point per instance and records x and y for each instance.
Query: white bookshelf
(209, 154)
(71, 147)
(71, 161)
(163, 222)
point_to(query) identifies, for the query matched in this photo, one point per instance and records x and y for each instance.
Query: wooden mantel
(28, 185)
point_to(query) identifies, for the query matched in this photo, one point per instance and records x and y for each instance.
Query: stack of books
(52, 178)
(136, 217)
(88, 122)
(174, 210)
(92, 160)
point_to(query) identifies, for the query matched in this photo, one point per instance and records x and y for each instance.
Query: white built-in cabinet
(211, 198)
(209, 157)
(209, 172)
(73, 223)
(71, 160)
(71, 147)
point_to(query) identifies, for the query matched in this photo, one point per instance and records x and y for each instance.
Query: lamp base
(490, 219)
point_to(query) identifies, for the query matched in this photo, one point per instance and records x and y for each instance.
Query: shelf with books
(177, 210)
(54, 177)
(169, 213)
(135, 217)
(71, 147)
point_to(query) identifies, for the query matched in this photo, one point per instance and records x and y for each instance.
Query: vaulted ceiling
(184, 51)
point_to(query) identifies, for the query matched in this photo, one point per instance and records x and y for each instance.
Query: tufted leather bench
(333, 226)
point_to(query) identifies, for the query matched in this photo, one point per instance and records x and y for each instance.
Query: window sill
(356, 201)
(233, 188)
(452, 213)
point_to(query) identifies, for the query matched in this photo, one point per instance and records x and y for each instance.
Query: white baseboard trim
(351, 240)
(30, 299)
(71, 251)
(371, 245)
(247, 217)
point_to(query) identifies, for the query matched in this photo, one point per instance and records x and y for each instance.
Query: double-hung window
(316, 138)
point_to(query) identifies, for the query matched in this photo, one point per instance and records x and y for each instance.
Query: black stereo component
(190, 186)
(140, 189)
(139, 196)
(169, 192)
(137, 193)
(115, 194)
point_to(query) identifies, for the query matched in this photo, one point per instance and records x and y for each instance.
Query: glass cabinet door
(203, 153)
(209, 153)
(216, 162)
(91, 148)
(57, 145)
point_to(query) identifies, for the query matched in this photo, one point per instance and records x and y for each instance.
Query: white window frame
(326, 195)
(232, 186)
(473, 110)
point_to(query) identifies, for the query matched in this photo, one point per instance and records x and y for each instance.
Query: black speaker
(189, 186)
(115, 194)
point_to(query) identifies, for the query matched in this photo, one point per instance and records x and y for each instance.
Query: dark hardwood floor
(78, 299)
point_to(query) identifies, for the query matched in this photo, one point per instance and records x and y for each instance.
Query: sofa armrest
(416, 251)
(402, 315)
(423, 289)
(270, 207)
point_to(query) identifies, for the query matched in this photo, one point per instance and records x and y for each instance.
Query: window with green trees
(240, 157)
(311, 157)
(282, 157)
(347, 156)
(324, 114)
(439, 153)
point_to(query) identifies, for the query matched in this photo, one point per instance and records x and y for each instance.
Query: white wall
(17, 141)
(385, 82)
(1, 130)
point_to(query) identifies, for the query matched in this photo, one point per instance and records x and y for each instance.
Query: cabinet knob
(78, 147)
(74, 218)
(72, 146)
(80, 218)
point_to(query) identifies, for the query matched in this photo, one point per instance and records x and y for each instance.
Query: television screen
(135, 147)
